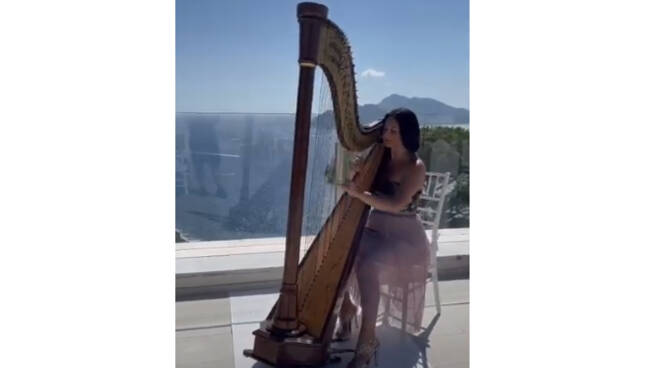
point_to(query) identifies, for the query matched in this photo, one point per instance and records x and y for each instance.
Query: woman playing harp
(394, 240)
(298, 330)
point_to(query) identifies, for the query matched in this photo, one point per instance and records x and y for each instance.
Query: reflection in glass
(233, 173)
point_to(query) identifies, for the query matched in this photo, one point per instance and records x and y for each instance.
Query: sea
(233, 173)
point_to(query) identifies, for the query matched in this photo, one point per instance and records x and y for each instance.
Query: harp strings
(320, 191)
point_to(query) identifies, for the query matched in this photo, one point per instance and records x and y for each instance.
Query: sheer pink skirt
(398, 246)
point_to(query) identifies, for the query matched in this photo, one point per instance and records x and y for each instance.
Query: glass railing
(233, 174)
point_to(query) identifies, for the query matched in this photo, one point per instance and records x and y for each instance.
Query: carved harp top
(322, 43)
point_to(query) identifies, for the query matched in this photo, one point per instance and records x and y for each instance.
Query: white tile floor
(214, 332)
(247, 310)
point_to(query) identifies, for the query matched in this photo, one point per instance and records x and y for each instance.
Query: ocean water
(233, 174)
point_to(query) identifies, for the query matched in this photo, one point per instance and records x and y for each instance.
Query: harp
(299, 328)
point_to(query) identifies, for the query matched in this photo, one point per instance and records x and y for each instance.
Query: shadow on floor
(396, 350)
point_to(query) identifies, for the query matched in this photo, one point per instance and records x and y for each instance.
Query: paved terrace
(225, 288)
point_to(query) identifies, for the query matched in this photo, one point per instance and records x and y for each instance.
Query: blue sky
(241, 56)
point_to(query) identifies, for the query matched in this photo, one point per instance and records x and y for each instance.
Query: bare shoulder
(419, 165)
(420, 168)
(418, 171)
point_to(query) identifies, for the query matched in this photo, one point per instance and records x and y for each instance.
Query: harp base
(287, 352)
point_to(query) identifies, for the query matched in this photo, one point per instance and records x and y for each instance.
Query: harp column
(286, 316)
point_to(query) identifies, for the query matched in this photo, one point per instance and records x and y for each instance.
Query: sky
(242, 56)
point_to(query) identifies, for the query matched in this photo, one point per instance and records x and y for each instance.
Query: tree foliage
(458, 204)
(453, 135)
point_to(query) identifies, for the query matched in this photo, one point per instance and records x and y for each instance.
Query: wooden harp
(299, 328)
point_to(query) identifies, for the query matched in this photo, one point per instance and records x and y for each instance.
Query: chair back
(432, 199)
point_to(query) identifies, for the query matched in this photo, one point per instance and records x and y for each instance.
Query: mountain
(429, 111)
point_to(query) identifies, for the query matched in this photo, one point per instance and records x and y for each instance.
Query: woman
(393, 240)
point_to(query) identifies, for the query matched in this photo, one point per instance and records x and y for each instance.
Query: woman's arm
(402, 196)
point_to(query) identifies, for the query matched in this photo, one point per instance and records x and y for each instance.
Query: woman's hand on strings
(356, 165)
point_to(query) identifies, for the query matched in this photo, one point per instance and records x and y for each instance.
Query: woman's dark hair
(409, 131)
(408, 127)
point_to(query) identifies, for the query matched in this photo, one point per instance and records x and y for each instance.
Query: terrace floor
(225, 289)
(214, 332)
